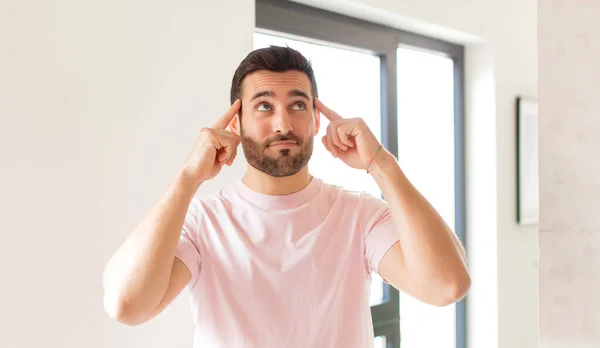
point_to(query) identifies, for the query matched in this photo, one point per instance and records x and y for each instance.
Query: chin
(281, 175)
(277, 153)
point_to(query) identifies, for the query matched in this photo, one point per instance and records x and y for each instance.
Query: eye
(299, 106)
(263, 107)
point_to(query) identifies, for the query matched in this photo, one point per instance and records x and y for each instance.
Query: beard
(285, 164)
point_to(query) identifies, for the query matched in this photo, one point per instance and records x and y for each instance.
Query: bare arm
(137, 277)
(144, 275)
(429, 262)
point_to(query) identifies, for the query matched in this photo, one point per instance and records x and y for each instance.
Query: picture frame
(527, 161)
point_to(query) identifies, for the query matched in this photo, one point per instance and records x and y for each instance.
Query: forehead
(264, 80)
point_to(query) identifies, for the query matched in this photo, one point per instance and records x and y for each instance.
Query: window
(408, 88)
(426, 153)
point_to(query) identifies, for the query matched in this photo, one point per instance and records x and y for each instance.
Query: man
(280, 258)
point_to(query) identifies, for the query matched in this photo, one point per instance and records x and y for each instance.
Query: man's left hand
(349, 139)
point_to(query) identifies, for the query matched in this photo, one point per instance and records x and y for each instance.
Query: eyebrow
(262, 94)
(298, 93)
(292, 93)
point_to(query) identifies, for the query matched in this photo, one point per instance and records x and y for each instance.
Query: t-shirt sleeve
(188, 250)
(379, 230)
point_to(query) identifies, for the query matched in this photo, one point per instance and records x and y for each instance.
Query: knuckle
(234, 139)
(234, 136)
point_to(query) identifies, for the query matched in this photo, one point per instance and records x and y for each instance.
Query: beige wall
(99, 105)
(569, 125)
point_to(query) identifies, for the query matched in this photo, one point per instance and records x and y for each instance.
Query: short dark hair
(273, 58)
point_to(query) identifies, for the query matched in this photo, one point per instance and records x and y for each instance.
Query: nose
(282, 122)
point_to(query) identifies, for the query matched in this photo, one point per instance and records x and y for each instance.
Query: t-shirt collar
(267, 201)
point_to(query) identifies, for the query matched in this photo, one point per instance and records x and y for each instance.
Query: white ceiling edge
(394, 20)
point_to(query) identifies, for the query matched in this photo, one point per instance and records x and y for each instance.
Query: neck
(270, 185)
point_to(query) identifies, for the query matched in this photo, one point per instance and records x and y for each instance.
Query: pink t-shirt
(284, 271)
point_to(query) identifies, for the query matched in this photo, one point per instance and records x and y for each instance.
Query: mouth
(283, 144)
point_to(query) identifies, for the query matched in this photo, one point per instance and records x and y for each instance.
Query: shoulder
(338, 193)
(359, 199)
(217, 200)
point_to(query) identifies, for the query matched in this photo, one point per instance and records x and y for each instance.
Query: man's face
(278, 121)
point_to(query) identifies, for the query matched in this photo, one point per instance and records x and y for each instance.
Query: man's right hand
(214, 148)
(144, 275)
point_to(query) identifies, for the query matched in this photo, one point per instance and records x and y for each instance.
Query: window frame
(321, 25)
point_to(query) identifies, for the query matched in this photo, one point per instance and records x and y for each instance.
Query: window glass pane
(376, 290)
(349, 83)
(426, 155)
(380, 342)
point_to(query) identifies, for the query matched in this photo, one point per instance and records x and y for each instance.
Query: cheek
(263, 130)
(305, 127)
(255, 129)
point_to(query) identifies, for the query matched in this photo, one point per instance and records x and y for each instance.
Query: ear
(234, 124)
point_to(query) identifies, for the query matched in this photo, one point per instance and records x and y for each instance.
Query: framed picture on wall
(527, 161)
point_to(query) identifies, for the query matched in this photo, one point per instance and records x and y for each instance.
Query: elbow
(122, 312)
(118, 306)
(455, 290)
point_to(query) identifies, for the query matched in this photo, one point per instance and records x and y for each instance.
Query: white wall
(569, 132)
(99, 105)
(501, 59)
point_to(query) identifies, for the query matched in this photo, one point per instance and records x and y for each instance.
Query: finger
(332, 132)
(345, 134)
(324, 141)
(230, 162)
(226, 155)
(335, 152)
(327, 112)
(226, 158)
(228, 144)
(223, 122)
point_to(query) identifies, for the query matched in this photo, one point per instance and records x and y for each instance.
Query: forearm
(137, 276)
(433, 256)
